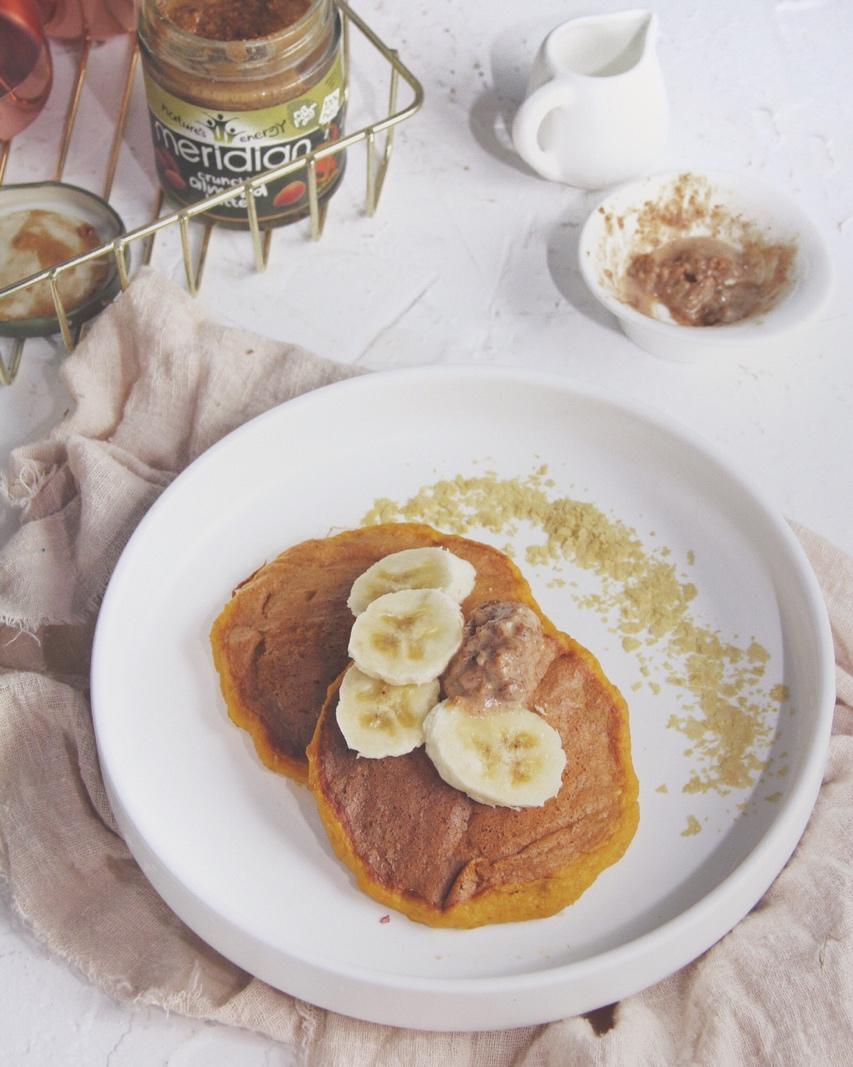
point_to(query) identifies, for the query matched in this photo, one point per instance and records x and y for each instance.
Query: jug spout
(596, 110)
(602, 46)
(640, 30)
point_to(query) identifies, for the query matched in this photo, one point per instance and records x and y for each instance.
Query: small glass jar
(224, 110)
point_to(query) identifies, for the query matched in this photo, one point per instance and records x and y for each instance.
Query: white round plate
(240, 854)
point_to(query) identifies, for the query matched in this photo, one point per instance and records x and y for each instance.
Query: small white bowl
(730, 207)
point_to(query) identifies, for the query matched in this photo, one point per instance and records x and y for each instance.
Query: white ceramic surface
(596, 110)
(239, 853)
(605, 251)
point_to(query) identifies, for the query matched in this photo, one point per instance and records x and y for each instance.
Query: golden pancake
(420, 846)
(413, 842)
(281, 641)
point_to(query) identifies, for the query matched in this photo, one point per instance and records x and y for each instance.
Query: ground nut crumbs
(726, 711)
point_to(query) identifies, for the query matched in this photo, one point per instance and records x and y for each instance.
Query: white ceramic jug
(596, 110)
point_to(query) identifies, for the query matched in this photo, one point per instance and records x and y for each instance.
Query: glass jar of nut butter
(238, 87)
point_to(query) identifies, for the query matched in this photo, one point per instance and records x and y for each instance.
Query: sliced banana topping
(505, 756)
(408, 627)
(407, 638)
(413, 568)
(378, 719)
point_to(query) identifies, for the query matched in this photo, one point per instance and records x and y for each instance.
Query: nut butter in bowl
(239, 87)
(705, 266)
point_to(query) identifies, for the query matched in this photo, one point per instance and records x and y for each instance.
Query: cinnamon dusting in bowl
(687, 258)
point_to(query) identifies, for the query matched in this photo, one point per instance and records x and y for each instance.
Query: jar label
(201, 151)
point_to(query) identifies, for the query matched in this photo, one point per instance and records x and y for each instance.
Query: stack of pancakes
(412, 841)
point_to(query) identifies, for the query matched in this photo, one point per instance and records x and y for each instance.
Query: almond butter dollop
(499, 659)
(706, 282)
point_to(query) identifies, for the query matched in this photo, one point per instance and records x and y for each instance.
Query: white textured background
(472, 258)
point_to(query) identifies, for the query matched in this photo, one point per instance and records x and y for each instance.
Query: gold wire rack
(378, 153)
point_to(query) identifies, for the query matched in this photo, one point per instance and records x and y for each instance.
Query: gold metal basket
(378, 153)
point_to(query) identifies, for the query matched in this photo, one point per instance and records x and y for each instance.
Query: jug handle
(528, 121)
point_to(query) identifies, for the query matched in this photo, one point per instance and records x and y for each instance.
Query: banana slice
(413, 568)
(378, 719)
(407, 638)
(506, 756)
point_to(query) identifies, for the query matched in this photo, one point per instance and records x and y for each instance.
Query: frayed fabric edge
(31, 627)
(21, 490)
(21, 629)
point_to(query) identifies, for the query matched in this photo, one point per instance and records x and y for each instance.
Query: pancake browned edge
(282, 639)
(426, 849)
(413, 842)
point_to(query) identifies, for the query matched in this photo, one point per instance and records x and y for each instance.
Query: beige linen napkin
(153, 385)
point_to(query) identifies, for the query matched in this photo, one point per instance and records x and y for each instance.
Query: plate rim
(761, 866)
